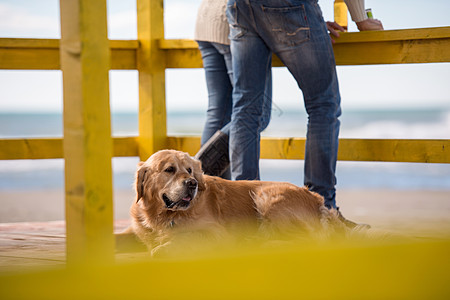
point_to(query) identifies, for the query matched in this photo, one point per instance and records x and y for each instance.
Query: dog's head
(169, 179)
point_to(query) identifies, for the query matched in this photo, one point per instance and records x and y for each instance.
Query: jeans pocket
(236, 31)
(289, 24)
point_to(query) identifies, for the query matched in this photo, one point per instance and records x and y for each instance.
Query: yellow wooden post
(85, 61)
(151, 66)
(340, 13)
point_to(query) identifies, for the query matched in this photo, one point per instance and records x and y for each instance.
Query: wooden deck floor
(422, 215)
(26, 246)
(29, 246)
(32, 244)
(31, 255)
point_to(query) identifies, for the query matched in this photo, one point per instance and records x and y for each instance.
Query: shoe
(214, 154)
(351, 224)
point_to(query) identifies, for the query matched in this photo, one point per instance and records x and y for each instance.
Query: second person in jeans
(211, 33)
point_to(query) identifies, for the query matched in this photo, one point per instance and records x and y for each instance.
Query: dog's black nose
(191, 183)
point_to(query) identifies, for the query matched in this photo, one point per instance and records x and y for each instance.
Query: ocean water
(417, 124)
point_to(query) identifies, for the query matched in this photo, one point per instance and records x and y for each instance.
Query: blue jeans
(218, 72)
(219, 75)
(296, 32)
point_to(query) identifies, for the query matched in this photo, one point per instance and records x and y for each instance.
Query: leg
(251, 61)
(215, 159)
(267, 106)
(217, 64)
(298, 35)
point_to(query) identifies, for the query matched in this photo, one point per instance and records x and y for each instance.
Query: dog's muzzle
(184, 202)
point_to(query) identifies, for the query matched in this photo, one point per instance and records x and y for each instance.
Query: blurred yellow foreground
(403, 269)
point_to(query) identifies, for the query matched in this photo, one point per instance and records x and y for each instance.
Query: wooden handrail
(424, 45)
(400, 150)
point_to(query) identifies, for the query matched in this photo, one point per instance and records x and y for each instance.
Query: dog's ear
(198, 174)
(140, 177)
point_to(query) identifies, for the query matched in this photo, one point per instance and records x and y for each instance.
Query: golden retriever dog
(175, 200)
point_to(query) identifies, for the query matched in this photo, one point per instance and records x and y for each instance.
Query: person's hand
(333, 28)
(370, 24)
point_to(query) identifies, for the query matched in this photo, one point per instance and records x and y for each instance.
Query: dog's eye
(189, 170)
(170, 170)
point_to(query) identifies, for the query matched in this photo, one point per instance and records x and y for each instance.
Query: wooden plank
(151, 67)
(125, 146)
(284, 148)
(431, 33)
(85, 62)
(29, 59)
(25, 246)
(20, 43)
(181, 53)
(44, 148)
(123, 54)
(123, 59)
(48, 59)
(190, 144)
(49, 148)
(43, 54)
(421, 45)
(393, 52)
(177, 44)
(54, 43)
(341, 13)
(392, 150)
(402, 150)
(183, 58)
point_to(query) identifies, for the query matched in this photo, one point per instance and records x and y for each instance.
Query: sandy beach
(418, 213)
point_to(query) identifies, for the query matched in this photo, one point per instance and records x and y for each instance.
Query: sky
(379, 87)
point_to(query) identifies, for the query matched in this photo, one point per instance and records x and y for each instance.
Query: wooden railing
(84, 53)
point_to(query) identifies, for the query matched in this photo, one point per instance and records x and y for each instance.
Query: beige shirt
(356, 9)
(212, 24)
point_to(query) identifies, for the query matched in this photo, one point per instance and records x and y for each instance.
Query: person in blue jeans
(211, 34)
(296, 32)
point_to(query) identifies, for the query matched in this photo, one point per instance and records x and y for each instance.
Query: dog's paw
(362, 227)
(161, 251)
